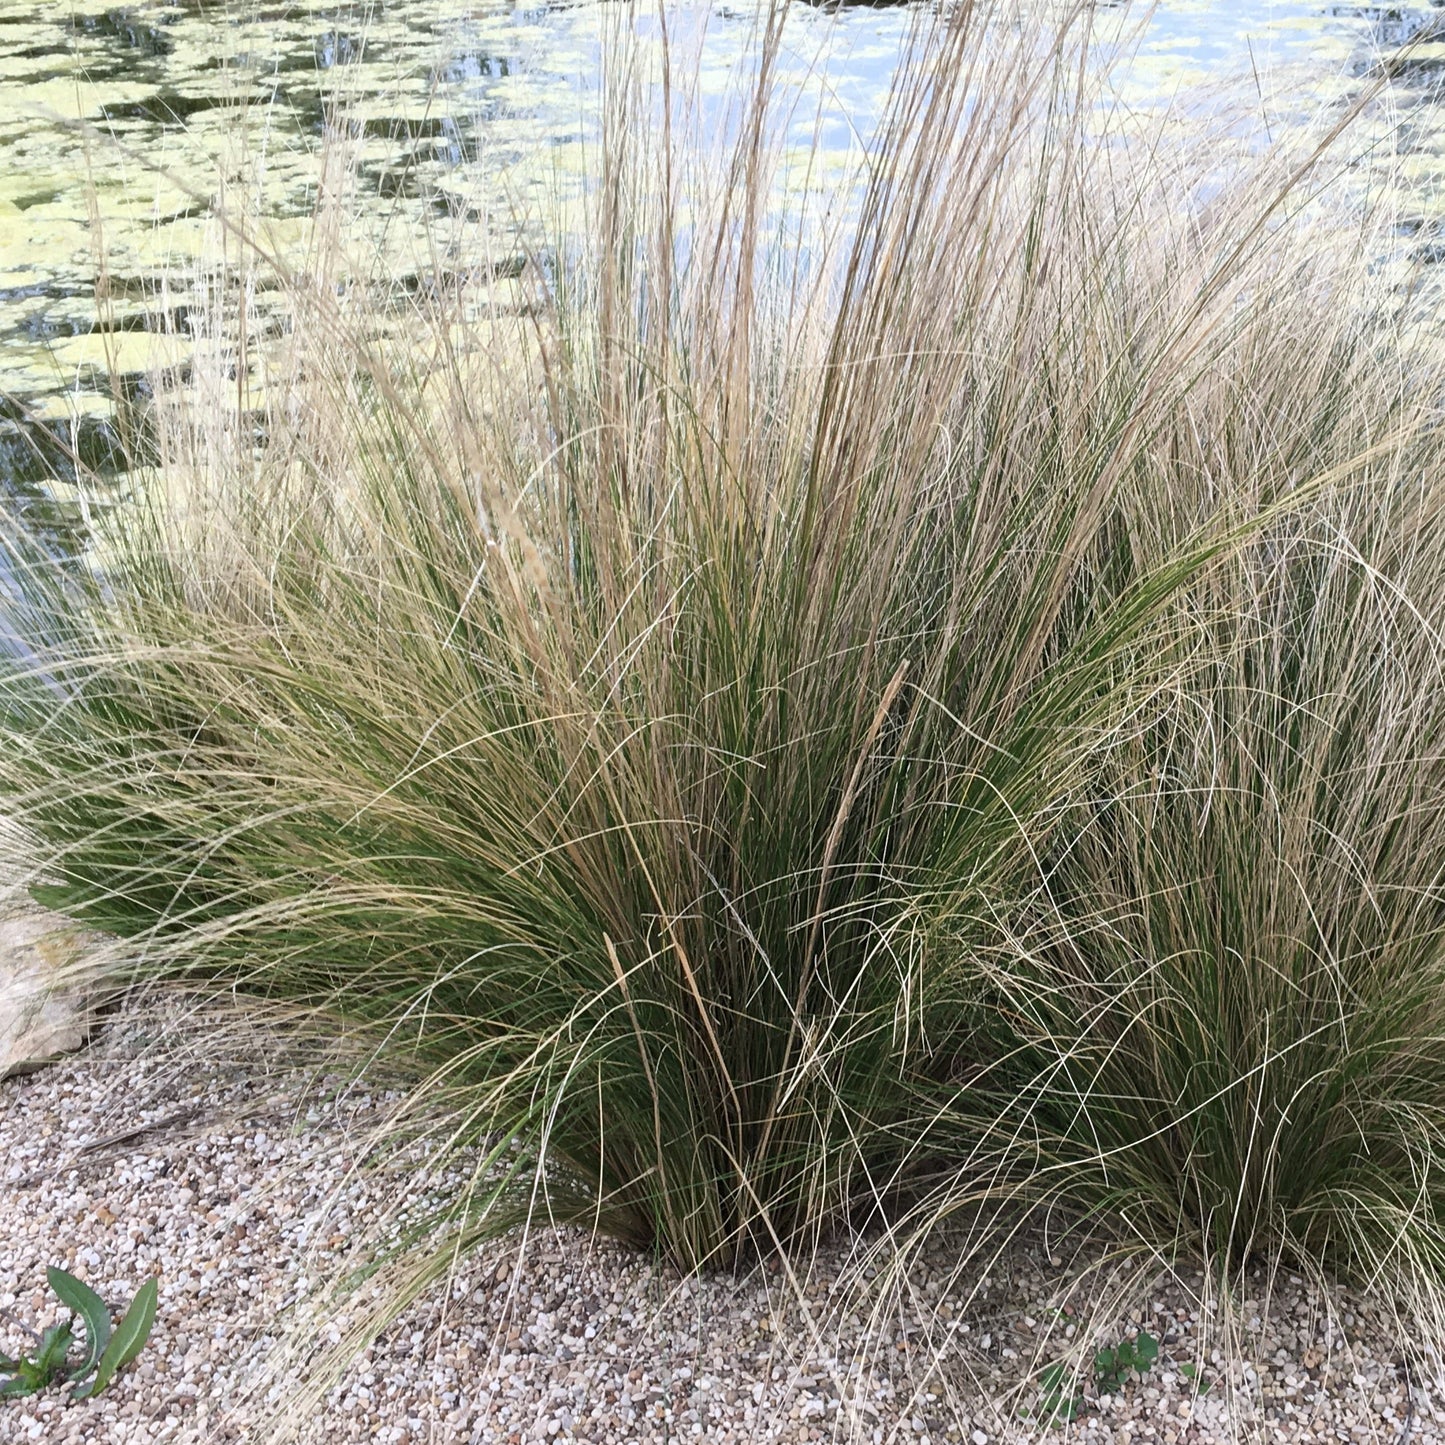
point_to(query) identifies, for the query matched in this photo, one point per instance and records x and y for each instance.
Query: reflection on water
(193, 108)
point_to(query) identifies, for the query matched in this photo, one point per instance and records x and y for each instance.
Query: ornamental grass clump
(699, 716)
(1237, 1010)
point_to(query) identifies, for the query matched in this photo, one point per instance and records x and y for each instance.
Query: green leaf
(55, 1344)
(1064, 1409)
(33, 1375)
(127, 1341)
(1146, 1351)
(91, 1308)
(1052, 1377)
(1058, 1400)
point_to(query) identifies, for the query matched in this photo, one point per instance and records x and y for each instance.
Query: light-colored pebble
(239, 1176)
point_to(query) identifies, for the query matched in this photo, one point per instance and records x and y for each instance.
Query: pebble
(212, 1163)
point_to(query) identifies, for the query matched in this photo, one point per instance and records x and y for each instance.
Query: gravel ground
(212, 1166)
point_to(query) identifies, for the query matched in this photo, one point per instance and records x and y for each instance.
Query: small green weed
(106, 1353)
(1061, 1395)
(1112, 1366)
(1191, 1373)
(35, 1372)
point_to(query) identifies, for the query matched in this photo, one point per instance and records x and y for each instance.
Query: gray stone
(45, 1009)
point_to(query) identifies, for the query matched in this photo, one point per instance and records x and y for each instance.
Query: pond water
(126, 130)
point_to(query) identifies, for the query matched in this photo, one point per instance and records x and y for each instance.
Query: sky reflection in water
(193, 107)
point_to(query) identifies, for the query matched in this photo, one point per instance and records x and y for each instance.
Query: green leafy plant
(106, 1352)
(1060, 1398)
(1113, 1364)
(1191, 1373)
(35, 1372)
(1061, 1395)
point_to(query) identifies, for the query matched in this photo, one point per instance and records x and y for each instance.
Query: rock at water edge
(43, 1012)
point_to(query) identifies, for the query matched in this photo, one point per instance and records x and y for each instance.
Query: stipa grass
(1238, 1019)
(653, 723)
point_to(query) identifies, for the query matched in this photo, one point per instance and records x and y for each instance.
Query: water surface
(127, 131)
